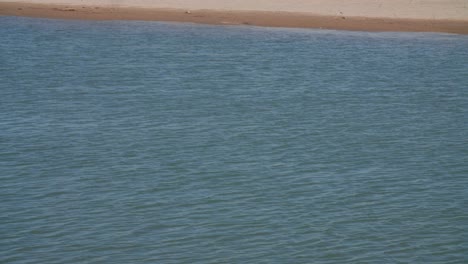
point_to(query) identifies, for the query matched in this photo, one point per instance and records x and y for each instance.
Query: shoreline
(233, 17)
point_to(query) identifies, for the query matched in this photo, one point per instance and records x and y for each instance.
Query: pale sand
(372, 15)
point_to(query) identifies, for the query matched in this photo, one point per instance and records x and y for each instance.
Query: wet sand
(450, 20)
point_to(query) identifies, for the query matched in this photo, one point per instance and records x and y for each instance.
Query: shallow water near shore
(146, 142)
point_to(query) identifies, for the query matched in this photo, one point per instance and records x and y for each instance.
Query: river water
(147, 142)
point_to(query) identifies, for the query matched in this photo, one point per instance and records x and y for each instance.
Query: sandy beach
(449, 16)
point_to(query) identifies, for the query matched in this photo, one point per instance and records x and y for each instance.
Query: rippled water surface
(143, 142)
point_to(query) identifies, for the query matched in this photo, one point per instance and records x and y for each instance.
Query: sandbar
(450, 16)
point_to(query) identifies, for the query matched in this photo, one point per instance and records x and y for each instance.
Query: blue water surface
(147, 142)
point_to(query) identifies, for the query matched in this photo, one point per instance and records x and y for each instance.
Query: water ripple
(143, 142)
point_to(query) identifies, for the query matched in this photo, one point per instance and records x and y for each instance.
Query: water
(144, 142)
